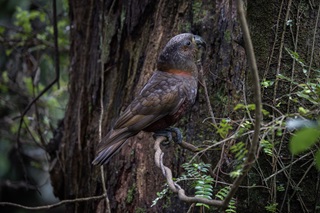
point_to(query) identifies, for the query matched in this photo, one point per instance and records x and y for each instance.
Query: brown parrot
(167, 96)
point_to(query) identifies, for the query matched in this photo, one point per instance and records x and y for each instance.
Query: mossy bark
(114, 46)
(122, 40)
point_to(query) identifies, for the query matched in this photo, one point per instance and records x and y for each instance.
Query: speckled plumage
(167, 96)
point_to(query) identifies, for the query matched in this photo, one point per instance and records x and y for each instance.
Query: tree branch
(53, 205)
(56, 80)
(257, 96)
(174, 186)
(57, 70)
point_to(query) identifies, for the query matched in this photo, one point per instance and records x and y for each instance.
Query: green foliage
(271, 207)
(317, 158)
(267, 147)
(305, 96)
(239, 150)
(308, 91)
(222, 194)
(304, 139)
(198, 12)
(266, 83)
(130, 194)
(4, 82)
(24, 18)
(249, 107)
(223, 128)
(4, 161)
(280, 188)
(202, 183)
(140, 210)
(244, 127)
(28, 59)
(160, 195)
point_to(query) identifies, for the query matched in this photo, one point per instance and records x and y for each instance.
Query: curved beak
(199, 41)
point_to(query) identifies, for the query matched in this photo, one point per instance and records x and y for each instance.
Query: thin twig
(286, 167)
(56, 46)
(204, 84)
(280, 52)
(57, 70)
(102, 49)
(257, 96)
(53, 205)
(293, 186)
(295, 42)
(275, 39)
(313, 43)
(301, 179)
(45, 89)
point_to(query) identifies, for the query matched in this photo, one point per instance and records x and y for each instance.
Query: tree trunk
(114, 48)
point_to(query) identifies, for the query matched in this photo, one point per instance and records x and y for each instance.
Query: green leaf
(200, 182)
(239, 106)
(203, 196)
(303, 140)
(2, 29)
(317, 159)
(202, 204)
(303, 111)
(199, 187)
(265, 112)
(251, 107)
(231, 210)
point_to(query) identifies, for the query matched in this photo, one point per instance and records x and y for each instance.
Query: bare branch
(174, 186)
(257, 96)
(313, 43)
(55, 80)
(56, 46)
(204, 84)
(53, 205)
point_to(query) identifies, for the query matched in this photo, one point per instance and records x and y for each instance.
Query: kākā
(167, 96)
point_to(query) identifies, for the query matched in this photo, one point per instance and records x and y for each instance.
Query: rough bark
(133, 33)
(121, 41)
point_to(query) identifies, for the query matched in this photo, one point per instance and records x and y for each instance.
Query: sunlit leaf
(317, 159)
(304, 139)
(303, 111)
(239, 106)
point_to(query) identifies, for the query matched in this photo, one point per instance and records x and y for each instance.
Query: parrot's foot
(171, 133)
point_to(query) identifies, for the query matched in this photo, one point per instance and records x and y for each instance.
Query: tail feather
(105, 155)
(111, 144)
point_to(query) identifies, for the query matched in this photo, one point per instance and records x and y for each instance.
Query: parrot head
(181, 54)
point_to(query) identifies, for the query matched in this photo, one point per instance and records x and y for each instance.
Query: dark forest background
(107, 52)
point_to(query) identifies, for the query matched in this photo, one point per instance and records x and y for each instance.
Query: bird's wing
(159, 98)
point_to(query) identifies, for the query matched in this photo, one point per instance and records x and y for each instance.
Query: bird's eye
(188, 43)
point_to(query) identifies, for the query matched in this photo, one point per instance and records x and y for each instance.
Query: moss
(132, 152)
(198, 12)
(227, 36)
(185, 27)
(130, 195)
(140, 210)
(260, 21)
